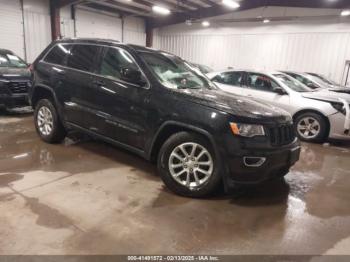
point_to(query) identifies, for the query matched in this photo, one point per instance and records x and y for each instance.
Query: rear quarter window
(58, 54)
(82, 57)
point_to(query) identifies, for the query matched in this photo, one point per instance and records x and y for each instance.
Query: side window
(82, 57)
(230, 78)
(115, 61)
(261, 82)
(58, 54)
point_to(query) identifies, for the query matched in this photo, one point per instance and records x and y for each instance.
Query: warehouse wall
(320, 44)
(102, 25)
(37, 27)
(25, 31)
(11, 24)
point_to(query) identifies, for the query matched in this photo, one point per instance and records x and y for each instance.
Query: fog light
(254, 161)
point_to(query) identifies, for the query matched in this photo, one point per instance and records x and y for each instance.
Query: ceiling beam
(171, 6)
(62, 3)
(118, 7)
(219, 9)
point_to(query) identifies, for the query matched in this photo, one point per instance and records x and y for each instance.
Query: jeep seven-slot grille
(18, 87)
(282, 135)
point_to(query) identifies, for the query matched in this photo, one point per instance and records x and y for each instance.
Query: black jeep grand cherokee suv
(14, 80)
(161, 108)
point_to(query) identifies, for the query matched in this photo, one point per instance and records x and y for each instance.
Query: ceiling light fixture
(160, 10)
(345, 13)
(205, 23)
(231, 3)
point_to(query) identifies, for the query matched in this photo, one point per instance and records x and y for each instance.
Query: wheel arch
(170, 128)
(301, 112)
(40, 92)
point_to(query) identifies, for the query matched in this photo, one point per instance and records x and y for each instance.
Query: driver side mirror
(280, 91)
(133, 76)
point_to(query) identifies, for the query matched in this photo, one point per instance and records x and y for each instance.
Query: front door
(123, 107)
(230, 82)
(262, 87)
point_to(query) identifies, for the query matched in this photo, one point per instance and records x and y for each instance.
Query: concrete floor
(86, 197)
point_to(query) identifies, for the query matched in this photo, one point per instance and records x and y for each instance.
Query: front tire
(47, 122)
(311, 127)
(188, 166)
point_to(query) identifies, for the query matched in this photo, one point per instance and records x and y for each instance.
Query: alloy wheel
(191, 165)
(45, 121)
(309, 127)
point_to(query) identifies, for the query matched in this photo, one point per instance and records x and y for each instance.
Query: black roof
(106, 42)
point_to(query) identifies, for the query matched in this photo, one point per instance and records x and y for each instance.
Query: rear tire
(47, 122)
(311, 127)
(193, 157)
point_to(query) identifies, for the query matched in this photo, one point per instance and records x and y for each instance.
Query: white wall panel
(134, 31)
(11, 26)
(36, 27)
(67, 23)
(96, 25)
(321, 45)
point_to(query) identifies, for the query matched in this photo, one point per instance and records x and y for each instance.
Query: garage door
(92, 24)
(11, 21)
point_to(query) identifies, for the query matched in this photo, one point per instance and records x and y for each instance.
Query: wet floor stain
(7, 179)
(307, 213)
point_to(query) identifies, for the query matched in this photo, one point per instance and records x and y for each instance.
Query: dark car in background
(154, 104)
(15, 79)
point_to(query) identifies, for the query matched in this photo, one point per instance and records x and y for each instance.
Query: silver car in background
(318, 114)
(326, 81)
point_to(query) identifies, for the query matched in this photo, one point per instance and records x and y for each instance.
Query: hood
(9, 73)
(329, 95)
(238, 106)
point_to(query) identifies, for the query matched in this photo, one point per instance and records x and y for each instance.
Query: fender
(50, 89)
(186, 126)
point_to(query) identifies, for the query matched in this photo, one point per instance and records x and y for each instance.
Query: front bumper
(338, 130)
(14, 93)
(14, 100)
(278, 161)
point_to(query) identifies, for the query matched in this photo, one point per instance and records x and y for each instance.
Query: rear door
(262, 87)
(78, 83)
(230, 82)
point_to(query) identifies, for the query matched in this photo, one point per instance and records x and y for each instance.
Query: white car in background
(318, 114)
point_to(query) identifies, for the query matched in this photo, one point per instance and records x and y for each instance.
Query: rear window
(58, 54)
(82, 57)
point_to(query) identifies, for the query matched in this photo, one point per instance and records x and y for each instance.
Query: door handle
(99, 82)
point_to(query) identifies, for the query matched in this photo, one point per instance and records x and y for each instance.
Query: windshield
(204, 69)
(323, 79)
(10, 60)
(292, 83)
(175, 73)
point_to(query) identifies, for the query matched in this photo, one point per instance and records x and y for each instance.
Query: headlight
(247, 130)
(339, 107)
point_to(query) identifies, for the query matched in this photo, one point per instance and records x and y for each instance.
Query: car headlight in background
(3, 82)
(247, 130)
(339, 107)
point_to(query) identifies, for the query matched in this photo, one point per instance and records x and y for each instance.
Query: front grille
(282, 135)
(18, 87)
